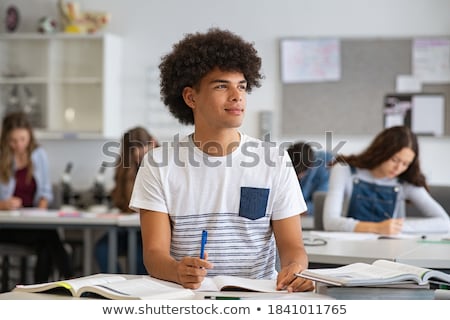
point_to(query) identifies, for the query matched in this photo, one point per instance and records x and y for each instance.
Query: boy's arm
(293, 257)
(156, 238)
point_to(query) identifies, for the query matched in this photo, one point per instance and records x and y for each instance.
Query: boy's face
(219, 101)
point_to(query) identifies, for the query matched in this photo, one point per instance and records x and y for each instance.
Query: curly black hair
(198, 54)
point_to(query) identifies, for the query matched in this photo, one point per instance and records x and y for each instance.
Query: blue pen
(202, 248)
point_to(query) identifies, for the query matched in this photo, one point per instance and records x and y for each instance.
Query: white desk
(428, 255)
(53, 219)
(410, 251)
(343, 252)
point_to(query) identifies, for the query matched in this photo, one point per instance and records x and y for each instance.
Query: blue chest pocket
(253, 202)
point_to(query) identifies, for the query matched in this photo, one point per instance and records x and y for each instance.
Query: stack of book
(382, 279)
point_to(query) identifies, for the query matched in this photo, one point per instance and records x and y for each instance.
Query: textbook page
(73, 285)
(144, 288)
(233, 283)
(423, 273)
(358, 274)
(114, 287)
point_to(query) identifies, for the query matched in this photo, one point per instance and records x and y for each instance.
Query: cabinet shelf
(24, 80)
(53, 36)
(85, 80)
(74, 78)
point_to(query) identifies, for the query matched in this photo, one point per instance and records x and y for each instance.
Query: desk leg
(132, 254)
(87, 251)
(112, 250)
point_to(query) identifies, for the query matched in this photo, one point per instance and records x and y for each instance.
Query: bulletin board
(354, 103)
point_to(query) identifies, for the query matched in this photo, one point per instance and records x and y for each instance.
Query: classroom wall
(150, 27)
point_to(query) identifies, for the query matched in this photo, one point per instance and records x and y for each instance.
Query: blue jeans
(101, 252)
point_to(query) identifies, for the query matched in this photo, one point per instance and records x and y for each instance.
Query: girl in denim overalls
(367, 191)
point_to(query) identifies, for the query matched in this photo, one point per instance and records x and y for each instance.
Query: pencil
(221, 298)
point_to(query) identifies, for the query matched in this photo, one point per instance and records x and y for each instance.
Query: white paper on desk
(361, 235)
(10, 213)
(36, 212)
(344, 235)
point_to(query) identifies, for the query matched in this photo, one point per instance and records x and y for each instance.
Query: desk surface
(37, 218)
(198, 296)
(349, 251)
(431, 254)
(411, 251)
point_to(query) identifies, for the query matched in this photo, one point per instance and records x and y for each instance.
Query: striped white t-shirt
(234, 198)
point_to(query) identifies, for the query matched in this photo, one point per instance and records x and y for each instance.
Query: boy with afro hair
(243, 191)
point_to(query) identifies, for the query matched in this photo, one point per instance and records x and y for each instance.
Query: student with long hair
(135, 144)
(25, 182)
(368, 191)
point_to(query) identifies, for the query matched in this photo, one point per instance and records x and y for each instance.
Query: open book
(112, 286)
(233, 283)
(380, 272)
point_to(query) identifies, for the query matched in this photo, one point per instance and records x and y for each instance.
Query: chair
(318, 199)
(9, 254)
(15, 258)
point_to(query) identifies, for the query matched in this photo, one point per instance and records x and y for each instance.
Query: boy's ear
(188, 96)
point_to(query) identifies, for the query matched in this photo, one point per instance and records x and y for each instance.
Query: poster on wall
(310, 60)
(431, 60)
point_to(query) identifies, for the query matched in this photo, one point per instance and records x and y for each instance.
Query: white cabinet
(69, 84)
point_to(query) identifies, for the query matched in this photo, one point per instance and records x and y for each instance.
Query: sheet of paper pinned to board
(428, 114)
(310, 60)
(431, 60)
(407, 84)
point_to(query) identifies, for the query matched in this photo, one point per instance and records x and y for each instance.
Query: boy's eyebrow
(226, 81)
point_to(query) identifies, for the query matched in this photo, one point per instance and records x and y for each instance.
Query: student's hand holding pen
(390, 226)
(191, 271)
(287, 280)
